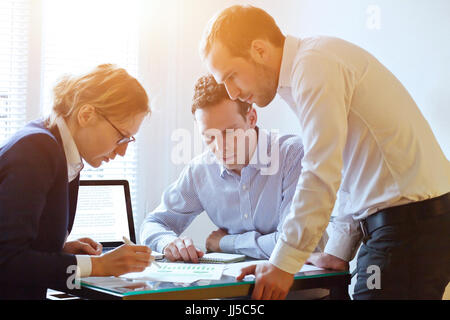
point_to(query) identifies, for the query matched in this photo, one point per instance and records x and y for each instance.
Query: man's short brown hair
(208, 93)
(237, 26)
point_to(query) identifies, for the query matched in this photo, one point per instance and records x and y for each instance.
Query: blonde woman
(94, 118)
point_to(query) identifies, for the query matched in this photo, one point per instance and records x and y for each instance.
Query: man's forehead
(218, 61)
(224, 115)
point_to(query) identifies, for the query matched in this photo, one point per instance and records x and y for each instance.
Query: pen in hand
(129, 242)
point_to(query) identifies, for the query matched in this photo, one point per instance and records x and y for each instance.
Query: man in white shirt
(368, 152)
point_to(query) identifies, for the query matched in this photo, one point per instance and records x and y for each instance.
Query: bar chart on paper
(187, 269)
(178, 272)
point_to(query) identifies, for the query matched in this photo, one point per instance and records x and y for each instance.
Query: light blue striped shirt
(251, 207)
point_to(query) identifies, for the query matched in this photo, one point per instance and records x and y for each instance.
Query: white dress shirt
(74, 166)
(367, 146)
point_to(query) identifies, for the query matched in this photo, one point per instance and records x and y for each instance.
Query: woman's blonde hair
(108, 88)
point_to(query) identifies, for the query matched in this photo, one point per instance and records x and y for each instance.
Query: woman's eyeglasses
(124, 139)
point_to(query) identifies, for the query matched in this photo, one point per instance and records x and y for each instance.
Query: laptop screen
(102, 212)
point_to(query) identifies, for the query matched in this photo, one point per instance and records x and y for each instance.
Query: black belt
(407, 213)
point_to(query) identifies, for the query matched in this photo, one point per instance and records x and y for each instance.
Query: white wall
(411, 37)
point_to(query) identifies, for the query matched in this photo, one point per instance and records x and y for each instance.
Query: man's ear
(259, 51)
(86, 115)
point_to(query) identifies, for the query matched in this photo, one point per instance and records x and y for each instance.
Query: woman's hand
(83, 246)
(124, 259)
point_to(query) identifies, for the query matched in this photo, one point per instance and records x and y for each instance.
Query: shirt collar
(262, 152)
(223, 170)
(74, 161)
(290, 50)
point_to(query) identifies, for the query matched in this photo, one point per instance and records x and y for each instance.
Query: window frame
(34, 92)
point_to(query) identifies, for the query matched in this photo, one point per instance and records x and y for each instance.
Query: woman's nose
(121, 150)
(218, 145)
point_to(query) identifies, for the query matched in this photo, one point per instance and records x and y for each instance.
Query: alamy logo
(373, 21)
(229, 147)
(73, 281)
(374, 280)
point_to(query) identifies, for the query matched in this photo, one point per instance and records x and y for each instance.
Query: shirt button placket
(245, 201)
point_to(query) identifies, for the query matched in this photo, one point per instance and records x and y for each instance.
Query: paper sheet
(182, 273)
(178, 272)
(234, 269)
(106, 282)
(308, 267)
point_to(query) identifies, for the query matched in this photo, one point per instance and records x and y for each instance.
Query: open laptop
(104, 213)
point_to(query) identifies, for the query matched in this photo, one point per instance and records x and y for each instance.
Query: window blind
(79, 35)
(14, 34)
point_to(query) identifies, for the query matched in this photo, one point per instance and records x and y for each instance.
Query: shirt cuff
(226, 244)
(84, 266)
(163, 242)
(288, 258)
(343, 243)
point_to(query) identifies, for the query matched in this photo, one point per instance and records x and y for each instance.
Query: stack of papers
(219, 257)
(106, 282)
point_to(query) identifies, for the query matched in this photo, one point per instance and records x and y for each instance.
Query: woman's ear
(252, 118)
(86, 115)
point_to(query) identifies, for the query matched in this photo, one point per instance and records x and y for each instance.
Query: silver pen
(129, 242)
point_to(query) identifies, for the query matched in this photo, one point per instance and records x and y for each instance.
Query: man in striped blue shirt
(245, 182)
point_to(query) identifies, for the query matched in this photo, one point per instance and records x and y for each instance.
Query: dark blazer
(37, 209)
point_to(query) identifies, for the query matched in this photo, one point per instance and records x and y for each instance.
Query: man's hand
(83, 246)
(271, 283)
(327, 261)
(182, 249)
(213, 240)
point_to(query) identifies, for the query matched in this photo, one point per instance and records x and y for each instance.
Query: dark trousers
(413, 259)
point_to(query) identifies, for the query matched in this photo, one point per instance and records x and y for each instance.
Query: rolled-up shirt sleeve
(179, 206)
(322, 92)
(345, 237)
